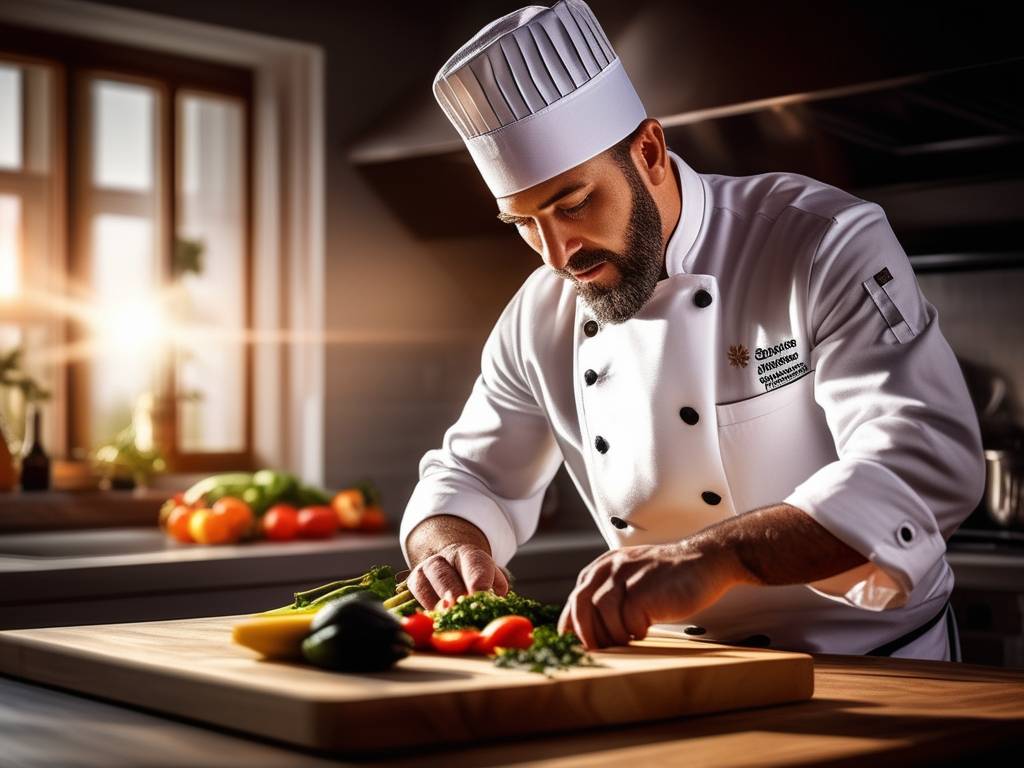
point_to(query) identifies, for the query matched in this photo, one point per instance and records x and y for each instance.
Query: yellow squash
(275, 637)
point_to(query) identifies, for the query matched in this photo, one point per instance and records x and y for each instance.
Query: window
(125, 270)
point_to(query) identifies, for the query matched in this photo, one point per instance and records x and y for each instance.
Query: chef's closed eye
(574, 211)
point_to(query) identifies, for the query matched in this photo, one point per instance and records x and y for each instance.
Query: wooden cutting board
(190, 668)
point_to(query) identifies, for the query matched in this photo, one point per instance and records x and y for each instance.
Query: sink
(89, 543)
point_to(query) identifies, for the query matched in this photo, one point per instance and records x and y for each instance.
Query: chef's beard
(639, 267)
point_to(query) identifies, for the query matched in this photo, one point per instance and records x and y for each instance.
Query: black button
(601, 444)
(618, 522)
(590, 377)
(702, 298)
(711, 497)
(906, 533)
(689, 415)
(590, 327)
(694, 630)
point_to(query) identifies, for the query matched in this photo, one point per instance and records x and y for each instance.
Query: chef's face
(597, 226)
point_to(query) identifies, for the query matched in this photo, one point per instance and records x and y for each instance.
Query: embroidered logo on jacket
(778, 365)
(739, 356)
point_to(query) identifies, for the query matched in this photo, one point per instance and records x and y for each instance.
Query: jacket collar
(678, 251)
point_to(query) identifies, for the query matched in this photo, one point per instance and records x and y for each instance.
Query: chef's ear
(650, 152)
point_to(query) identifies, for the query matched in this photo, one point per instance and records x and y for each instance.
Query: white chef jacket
(788, 357)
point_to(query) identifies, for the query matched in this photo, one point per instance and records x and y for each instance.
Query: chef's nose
(558, 245)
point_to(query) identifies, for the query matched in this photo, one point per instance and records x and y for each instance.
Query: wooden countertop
(891, 712)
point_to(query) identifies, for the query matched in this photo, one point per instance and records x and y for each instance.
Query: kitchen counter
(136, 574)
(891, 712)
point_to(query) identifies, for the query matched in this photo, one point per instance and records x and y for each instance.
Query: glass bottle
(35, 464)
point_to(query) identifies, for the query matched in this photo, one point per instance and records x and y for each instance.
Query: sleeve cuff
(445, 496)
(873, 511)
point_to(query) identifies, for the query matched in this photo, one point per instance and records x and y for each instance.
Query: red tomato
(505, 632)
(420, 627)
(454, 640)
(281, 523)
(373, 520)
(317, 522)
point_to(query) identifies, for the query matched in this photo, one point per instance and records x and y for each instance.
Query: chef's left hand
(622, 592)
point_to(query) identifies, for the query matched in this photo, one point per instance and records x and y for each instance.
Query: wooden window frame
(76, 61)
(289, 189)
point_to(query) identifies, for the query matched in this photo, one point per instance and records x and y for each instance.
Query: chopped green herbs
(550, 652)
(476, 611)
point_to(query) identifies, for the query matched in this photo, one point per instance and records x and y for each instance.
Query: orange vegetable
(349, 506)
(207, 527)
(238, 514)
(178, 524)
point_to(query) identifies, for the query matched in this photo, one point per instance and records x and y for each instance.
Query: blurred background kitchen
(242, 235)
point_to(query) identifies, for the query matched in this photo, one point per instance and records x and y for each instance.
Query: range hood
(923, 114)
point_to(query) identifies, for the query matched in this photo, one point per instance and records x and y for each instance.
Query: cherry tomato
(177, 524)
(454, 640)
(207, 527)
(420, 627)
(317, 522)
(281, 523)
(373, 520)
(349, 505)
(505, 632)
(237, 512)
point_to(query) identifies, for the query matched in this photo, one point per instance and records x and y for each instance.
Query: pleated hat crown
(537, 92)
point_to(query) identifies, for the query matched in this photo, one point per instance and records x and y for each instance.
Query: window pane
(125, 256)
(210, 264)
(123, 135)
(129, 329)
(10, 117)
(10, 246)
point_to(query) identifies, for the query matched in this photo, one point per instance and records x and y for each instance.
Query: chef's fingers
(443, 576)
(607, 602)
(419, 585)
(565, 618)
(501, 585)
(583, 608)
(477, 569)
(635, 619)
(604, 637)
(583, 620)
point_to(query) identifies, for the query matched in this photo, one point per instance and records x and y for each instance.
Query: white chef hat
(537, 92)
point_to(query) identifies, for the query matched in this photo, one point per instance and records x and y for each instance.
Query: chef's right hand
(457, 569)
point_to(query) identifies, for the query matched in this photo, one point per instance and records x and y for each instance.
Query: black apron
(904, 640)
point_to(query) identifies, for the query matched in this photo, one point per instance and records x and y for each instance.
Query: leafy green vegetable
(550, 651)
(480, 608)
(378, 582)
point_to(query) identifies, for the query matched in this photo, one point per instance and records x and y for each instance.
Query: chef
(740, 375)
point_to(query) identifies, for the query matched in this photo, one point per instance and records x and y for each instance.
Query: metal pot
(1004, 488)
